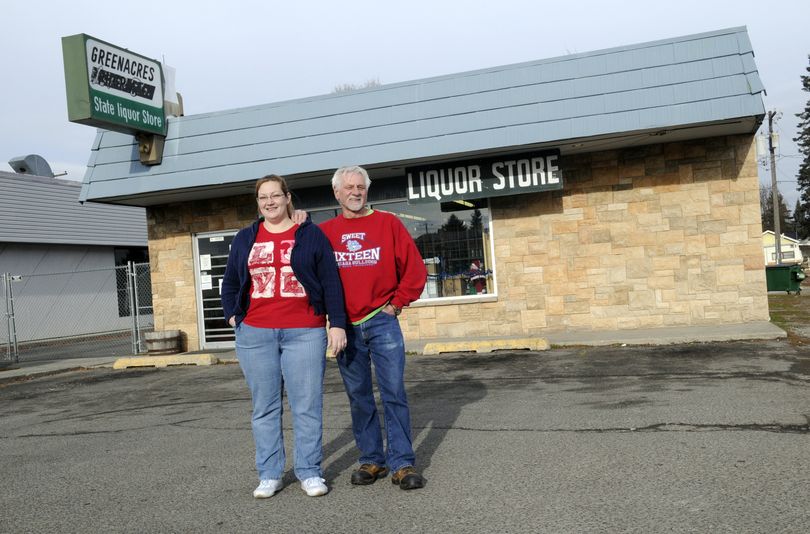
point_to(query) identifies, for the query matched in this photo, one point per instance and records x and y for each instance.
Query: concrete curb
(487, 345)
(165, 361)
(27, 371)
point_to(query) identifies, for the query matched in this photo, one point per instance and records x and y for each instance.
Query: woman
(280, 280)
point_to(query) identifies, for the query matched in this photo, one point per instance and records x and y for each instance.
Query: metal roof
(674, 89)
(37, 209)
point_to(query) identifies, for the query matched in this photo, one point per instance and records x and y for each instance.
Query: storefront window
(453, 239)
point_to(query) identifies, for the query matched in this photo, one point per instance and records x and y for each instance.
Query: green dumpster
(784, 278)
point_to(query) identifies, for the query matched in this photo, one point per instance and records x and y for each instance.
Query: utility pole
(777, 230)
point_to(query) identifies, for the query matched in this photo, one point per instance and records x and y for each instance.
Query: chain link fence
(100, 312)
(6, 355)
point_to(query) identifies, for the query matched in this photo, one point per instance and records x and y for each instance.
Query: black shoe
(407, 478)
(368, 474)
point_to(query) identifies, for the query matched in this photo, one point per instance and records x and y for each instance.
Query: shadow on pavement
(435, 406)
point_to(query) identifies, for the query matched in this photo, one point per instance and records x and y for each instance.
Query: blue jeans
(378, 340)
(273, 359)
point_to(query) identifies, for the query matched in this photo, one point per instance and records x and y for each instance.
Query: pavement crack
(78, 433)
(778, 428)
(664, 375)
(149, 407)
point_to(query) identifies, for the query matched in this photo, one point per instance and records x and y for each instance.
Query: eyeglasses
(275, 197)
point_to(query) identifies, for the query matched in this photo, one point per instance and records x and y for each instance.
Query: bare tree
(766, 210)
(349, 87)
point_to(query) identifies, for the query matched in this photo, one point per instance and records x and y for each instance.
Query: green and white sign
(112, 88)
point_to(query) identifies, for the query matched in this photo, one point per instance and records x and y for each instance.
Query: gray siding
(32, 258)
(698, 79)
(36, 209)
(64, 290)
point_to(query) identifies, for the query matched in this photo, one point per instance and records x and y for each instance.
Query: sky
(244, 53)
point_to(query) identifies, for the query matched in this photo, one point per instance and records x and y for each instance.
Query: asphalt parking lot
(700, 437)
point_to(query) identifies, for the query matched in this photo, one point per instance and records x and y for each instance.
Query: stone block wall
(171, 230)
(654, 236)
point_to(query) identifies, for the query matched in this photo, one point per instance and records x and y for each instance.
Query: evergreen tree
(803, 178)
(476, 221)
(454, 224)
(801, 221)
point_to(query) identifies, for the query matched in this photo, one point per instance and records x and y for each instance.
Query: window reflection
(323, 215)
(454, 241)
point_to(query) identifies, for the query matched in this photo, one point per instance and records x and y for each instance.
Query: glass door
(210, 257)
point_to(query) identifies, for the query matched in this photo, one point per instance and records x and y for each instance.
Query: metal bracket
(150, 148)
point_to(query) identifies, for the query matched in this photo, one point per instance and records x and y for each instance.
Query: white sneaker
(314, 486)
(267, 488)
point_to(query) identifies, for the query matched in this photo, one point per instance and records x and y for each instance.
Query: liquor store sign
(483, 178)
(112, 88)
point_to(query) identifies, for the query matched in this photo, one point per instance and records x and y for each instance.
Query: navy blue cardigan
(312, 260)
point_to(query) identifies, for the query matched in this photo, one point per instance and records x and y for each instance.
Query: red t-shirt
(277, 300)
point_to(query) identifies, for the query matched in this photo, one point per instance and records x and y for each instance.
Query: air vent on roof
(31, 164)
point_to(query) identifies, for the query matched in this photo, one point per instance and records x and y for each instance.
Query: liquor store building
(603, 191)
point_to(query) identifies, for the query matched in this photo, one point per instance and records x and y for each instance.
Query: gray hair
(337, 178)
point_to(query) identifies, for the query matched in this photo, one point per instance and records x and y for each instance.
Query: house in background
(790, 248)
(45, 230)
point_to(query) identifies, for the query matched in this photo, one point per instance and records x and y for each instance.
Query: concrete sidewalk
(645, 336)
(638, 336)
(22, 370)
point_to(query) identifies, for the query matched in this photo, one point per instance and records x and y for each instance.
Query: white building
(44, 230)
(791, 253)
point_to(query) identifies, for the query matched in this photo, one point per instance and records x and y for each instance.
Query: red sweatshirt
(378, 262)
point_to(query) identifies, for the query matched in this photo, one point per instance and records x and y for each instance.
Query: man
(382, 272)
